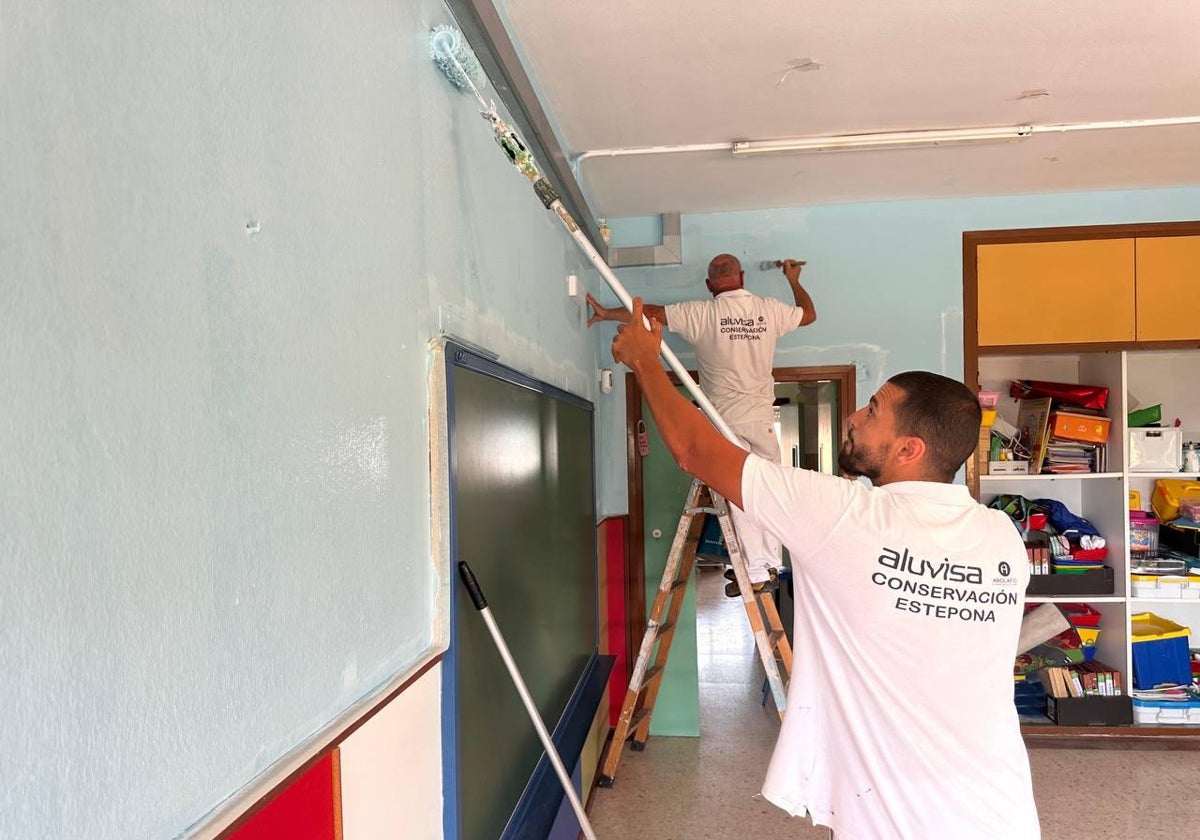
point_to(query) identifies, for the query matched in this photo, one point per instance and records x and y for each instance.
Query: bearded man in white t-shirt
(734, 337)
(900, 720)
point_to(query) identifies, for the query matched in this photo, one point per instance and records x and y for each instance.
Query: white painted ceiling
(632, 73)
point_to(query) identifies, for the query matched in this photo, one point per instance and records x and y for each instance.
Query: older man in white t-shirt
(734, 337)
(900, 720)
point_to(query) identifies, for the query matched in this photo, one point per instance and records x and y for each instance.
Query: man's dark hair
(943, 413)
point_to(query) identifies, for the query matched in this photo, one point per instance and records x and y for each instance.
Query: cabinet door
(1168, 279)
(1056, 292)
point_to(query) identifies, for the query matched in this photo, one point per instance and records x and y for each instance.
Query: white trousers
(760, 550)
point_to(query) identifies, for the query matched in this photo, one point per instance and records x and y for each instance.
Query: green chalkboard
(523, 517)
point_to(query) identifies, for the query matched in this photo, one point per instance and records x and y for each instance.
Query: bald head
(724, 274)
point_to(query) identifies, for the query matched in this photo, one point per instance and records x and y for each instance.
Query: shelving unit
(1155, 365)
(1102, 498)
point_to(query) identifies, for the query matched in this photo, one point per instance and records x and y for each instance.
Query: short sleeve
(686, 319)
(799, 507)
(787, 318)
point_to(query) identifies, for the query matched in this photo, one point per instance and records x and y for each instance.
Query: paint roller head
(455, 58)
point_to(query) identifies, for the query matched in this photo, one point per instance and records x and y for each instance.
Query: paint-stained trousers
(761, 550)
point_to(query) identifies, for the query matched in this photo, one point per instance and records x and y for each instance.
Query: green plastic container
(1145, 416)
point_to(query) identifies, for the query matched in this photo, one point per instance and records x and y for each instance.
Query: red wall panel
(307, 809)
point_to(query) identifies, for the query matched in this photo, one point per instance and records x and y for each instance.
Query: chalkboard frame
(539, 803)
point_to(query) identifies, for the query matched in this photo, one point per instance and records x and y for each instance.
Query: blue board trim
(581, 706)
(459, 356)
(543, 796)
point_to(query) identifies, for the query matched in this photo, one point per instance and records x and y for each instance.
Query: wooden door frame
(635, 547)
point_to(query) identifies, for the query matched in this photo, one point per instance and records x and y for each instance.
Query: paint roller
(481, 604)
(457, 62)
(768, 265)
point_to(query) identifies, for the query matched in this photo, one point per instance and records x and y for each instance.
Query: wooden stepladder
(644, 682)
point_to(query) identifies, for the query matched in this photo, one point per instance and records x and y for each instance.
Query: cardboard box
(1081, 427)
(1008, 468)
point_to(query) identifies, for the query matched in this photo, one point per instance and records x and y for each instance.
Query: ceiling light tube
(884, 140)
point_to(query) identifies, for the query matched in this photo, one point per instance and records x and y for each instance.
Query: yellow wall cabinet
(1168, 288)
(1056, 292)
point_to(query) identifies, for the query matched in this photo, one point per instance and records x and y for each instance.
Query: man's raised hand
(792, 269)
(633, 343)
(599, 313)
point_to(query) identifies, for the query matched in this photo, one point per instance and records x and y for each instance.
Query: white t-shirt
(734, 337)
(900, 720)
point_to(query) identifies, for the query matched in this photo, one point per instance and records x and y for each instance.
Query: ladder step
(772, 644)
(654, 672)
(637, 720)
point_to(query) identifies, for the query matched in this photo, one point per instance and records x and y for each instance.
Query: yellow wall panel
(1168, 288)
(1056, 292)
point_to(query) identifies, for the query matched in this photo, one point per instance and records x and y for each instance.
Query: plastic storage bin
(1085, 427)
(1145, 416)
(1190, 508)
(1143, 532)
(1155, 450)
(1169, 494)
(1160, 652)
(1166, 712)
(1166, 586)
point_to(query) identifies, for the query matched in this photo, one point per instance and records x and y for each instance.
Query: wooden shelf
(1076, 599)
(1133, 736)
(1165, 600)
(1187, 476)
(1051, 477)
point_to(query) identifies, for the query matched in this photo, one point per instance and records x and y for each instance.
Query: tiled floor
(706, 787)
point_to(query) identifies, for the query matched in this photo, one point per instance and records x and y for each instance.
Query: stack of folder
(1069, 456)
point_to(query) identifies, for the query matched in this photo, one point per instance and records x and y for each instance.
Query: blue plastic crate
(1029, 696)
(1160, 651)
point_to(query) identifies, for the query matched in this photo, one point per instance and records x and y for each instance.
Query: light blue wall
(229, 231)
(886, 278)
(636, 231)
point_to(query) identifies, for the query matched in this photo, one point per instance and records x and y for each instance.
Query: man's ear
(911, 451)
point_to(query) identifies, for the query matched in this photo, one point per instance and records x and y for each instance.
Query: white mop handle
(672, 362)
(551, 753)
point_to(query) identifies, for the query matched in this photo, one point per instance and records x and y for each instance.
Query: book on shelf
(1033, 423)
(1081, 679)
(1070, 456)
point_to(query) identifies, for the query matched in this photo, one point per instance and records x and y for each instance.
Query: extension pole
(450, 51)
(673, 362)
(468, 579)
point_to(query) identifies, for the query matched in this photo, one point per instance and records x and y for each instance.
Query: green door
(664, 490)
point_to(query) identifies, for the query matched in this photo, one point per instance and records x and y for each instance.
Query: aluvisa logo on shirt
(730, 321)
(944, 570)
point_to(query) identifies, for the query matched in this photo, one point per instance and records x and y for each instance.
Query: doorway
(812, 405)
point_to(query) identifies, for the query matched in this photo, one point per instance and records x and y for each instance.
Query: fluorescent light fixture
(885, 140)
